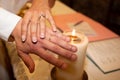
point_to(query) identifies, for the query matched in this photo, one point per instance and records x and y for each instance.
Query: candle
(75, 68)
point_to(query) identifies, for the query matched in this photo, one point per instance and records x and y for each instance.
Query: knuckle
(24, 33)
(33, 22)
(28, 12)
(24, 22)
(32, 48)
(55, 40)
(55, 47)
(33, 32)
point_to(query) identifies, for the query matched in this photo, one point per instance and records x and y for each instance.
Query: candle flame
(73, 32)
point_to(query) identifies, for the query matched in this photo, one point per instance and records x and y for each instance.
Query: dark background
(107, 12)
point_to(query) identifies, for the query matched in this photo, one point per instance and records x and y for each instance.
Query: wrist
(40, 2)
(16, 33)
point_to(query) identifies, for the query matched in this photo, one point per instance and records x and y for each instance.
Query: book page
(105, 54)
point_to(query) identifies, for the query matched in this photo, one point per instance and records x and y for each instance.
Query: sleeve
(8, 22)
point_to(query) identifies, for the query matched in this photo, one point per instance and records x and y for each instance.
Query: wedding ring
(42, 15)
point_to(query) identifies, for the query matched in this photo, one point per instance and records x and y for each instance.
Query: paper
(83, 27)
(105, 54)
(96, 32)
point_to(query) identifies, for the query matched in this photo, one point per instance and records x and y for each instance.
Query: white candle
(75, 68)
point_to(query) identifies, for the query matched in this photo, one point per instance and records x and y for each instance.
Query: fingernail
(23, 38)
(34, 39)
(74, 57)
(74, 48)
(64, 66)
(42, 36)
(68, 39)
(31, 69)
(55, 29)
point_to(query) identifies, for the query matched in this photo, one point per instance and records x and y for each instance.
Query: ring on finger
(42, 16)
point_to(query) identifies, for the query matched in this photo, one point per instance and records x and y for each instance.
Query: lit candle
(74, 38)
(75, 68)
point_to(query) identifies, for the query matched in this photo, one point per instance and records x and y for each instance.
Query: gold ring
(42, 15)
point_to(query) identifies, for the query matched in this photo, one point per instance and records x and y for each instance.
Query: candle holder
(53, 74)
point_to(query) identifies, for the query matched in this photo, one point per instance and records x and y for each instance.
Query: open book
(105, 54)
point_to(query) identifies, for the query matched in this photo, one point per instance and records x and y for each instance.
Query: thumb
(27, 60)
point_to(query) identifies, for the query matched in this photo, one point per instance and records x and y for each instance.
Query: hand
(37, 14)
(54, 42)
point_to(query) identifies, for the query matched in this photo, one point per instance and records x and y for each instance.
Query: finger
(51, 58)
(33, 33)
(42, 27)
(63, 43)
(59, 50)
(27, 60)
(33, 27)
(24, 26)
(59, 35)
(51, 20)
(63, 37)
(38, 29)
